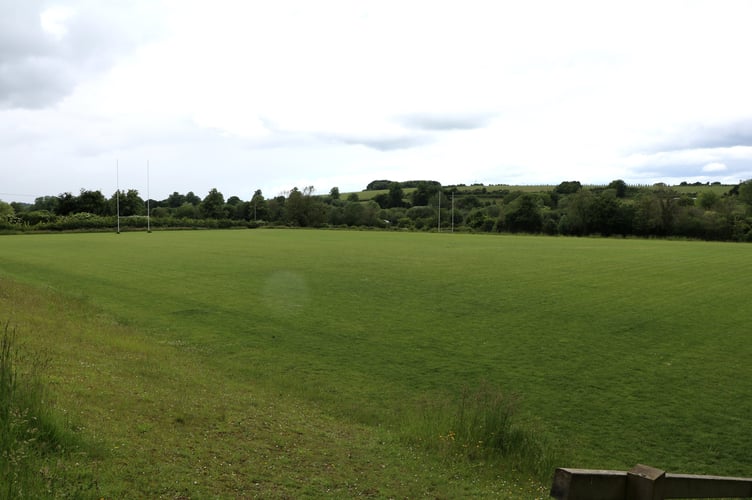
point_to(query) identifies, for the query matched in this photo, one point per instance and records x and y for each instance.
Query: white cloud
(262, 94)
(54, 20)
(714, 167)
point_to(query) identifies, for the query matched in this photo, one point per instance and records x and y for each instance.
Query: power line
(17, 194)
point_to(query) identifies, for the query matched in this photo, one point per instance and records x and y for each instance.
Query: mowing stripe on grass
(599, 337)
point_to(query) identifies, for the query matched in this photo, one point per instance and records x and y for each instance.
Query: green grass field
(173, 347)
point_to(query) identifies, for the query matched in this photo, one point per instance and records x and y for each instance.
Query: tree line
(568, 209)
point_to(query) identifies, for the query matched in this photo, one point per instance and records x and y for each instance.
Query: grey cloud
(387, 142)
(708, 137)
(20, 31)
(686, 168)
(37, 69)
(736, 134)
(445, 121)
(34, 83)
(383, 143)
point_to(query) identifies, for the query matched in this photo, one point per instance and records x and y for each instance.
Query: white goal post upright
(452, 211)
(148, 207)
(117, 193)
(439, 225)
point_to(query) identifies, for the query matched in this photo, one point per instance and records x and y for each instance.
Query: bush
(81, 220)
(38, 217)
(404, 222)
(421, 212)
(479, 220)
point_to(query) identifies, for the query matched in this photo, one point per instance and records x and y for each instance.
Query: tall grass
(482, 424)
(7, 417)
(30, 433)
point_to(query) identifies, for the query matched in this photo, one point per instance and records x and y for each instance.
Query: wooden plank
(587, 484)
(691, 486)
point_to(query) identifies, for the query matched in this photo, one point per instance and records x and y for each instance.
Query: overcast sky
(246, 95)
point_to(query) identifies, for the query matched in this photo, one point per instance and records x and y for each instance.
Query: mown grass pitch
(622, 351)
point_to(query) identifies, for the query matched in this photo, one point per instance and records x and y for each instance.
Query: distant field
(622, 351)
(719, 189)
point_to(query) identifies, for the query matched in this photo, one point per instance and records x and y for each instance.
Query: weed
(482, 424)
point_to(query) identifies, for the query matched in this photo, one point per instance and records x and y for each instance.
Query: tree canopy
(568, 208)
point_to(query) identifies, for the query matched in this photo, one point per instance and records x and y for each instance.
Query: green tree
(92, 202)
(575, 210)
(236, 209)
(6, 210)
(241, 211)
(192, 198)
(382, 199)
(392, 199)
(20, 207)
(745, 193)
(371, 212)
(175, 200)
(479, 220)
(259, 209)
(646, 219)
(395, 196)
(568, 187)
(424, 191)
(420, 212)
(213, 205)
(620, 186)
(467, 202)
(438, 200)
(187, 211)
(67, 204)
(48, 203)
(130, 203)
(656, 212)
(525, 216)
(378, 185)
(160, 212)
(303, 209)
(277, 209)
(707, 200)
(334, 193)
(353, 213)
(336, 215)
(295, 208)
(604, 214)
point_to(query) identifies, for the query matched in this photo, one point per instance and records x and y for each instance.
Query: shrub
(404, 222)
(38, 216)
(421, 212)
